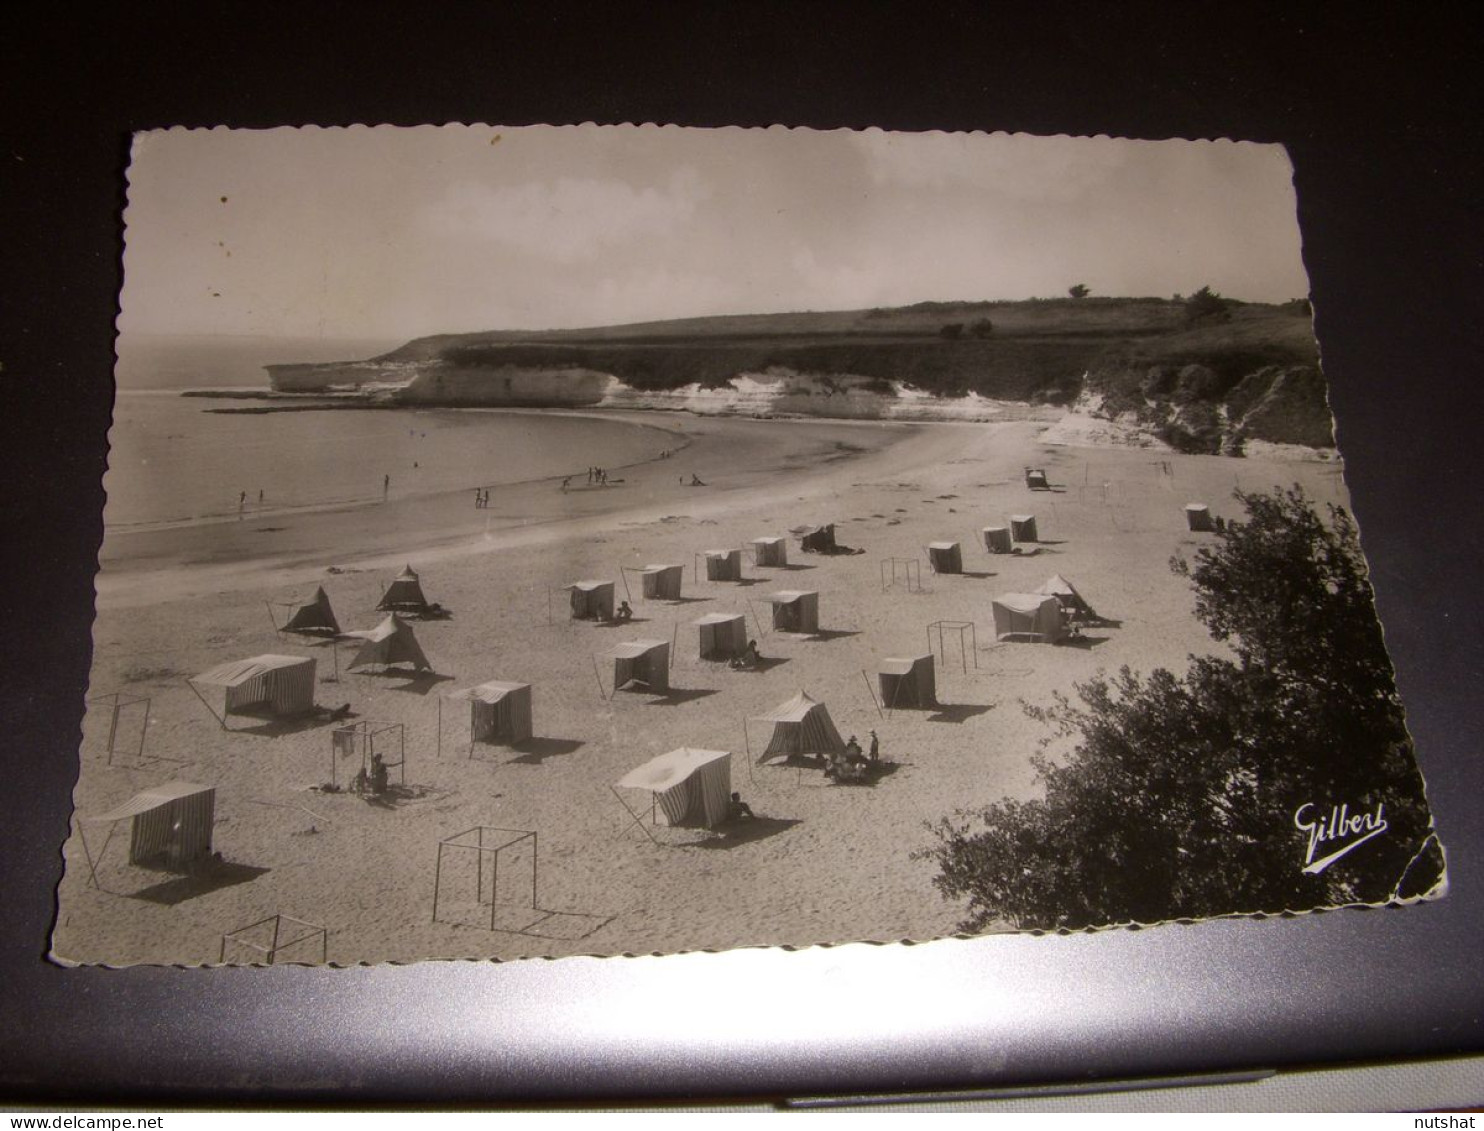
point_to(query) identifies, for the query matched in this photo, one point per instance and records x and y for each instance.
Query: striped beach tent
(1023, 528)
(801, 726)
(281, 686)
(723, 565)
(769, 552)
(641, 665)
(795, 610)
(997, 540)
(690, 788)
(499, 711)
(389, 643)
(945, 557)
(908, 682)
(723, 635)
(592, 600)
(1198, 517)
(662, 582)
(1027, 616)
(170, 826)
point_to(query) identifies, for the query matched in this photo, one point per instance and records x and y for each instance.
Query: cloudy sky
(386, 232)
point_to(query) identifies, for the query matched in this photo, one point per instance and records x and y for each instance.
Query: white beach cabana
(277, 686)
(1198, 517)
(723, 565)
(945, 557)
(1027, 616)
(688, 788)
(1023, 528)
(662, 582)
(997, 540)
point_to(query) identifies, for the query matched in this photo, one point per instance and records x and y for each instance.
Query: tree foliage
(951, 330)
(1079, 290)
(1206, 306)
(982, 328)
(1179, 796)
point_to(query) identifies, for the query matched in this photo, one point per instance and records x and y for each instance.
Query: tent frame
(960, 627)
(118, 702)
(505, 838)
(911, 574)
(365, 734)
(310, 931)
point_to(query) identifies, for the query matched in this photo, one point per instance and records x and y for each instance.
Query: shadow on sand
(214, 877)
(745, 830)
(534, 751)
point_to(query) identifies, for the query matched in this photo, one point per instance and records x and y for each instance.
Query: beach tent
(800, 726)
(662, 581)
(817, 539)
(1023, 527)
(170, 825)
(997, 539)
(1198, 516)
(281, 686)
(723, 565)
(1035, 479)
(642, 665)
(770, 551)
(1033, 616)
(390, 642)
(404, 594)
(945, 557)
(592, 600)
(690, 788)
(908, 682)
(795, 610)
(315, 618)
(499, 711)
(723, 635)
(1066, 596)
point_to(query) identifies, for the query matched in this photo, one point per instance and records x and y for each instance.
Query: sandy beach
(825, 863)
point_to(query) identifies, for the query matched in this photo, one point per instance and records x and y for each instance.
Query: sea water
(173, 460)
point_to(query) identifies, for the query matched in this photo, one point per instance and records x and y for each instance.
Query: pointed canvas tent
(908, 682)
(1032, 616)
(817, 539)
(662, 582)
(723, 565)
(390, 642)
(800, 726)
(641, 665)
(404, 594)
(314, 618)
(499, 711)
(997, 539)
(795, 610)
(723, 635)
(592, 600)
(1023, 527)
(282, 686)
(170, 824)
(1066, 596)
(1198, 516)
(946, 557)
(690, 788)
(770, 551)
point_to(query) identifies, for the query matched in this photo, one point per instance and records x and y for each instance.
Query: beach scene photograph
(626, 540)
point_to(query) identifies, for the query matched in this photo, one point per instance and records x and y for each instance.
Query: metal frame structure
(508, 838)
(959, 626)
(311, 931)
(364, 734)
(118, 703)
(911, 574)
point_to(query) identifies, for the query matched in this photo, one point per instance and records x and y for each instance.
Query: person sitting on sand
(739, 809)
(695, 480)
(853, 750)
(624, 612)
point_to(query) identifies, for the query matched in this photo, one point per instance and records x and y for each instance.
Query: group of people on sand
(748, 659)
(481, 498)
(852, 765)
(597, 475)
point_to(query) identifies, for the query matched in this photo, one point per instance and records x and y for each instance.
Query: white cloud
(569, 218)
(1014, 165)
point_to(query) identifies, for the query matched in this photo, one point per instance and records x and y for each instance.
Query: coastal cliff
(1143, 367)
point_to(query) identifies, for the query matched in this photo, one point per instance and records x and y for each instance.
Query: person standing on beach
(241, 505)
(567, 482)
(386, 487)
